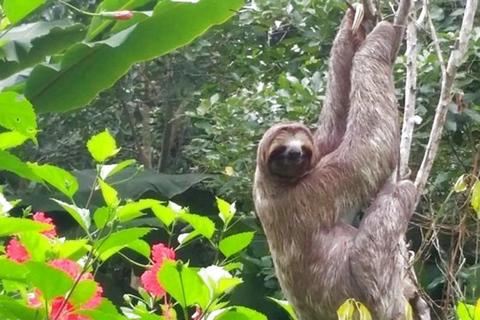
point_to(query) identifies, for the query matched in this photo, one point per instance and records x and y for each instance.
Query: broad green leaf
(82, 216)
(236, 243)
(29, 44)
(12, 271)
(87, 69)
(460, 185)
(102, 216)
(185, 238)
(109, 194)
(240, 313)
(83, 292)
(36, 244)
(467, 311)
(183, 284)
(202, 225)
(15, 309)
(11, 139)
(115, 242)
(16, 10)
(61, 179)
(16, 113)
(141, 247)
(233, 266)
(225, 285)
(99, 24)
(227, 210)
(363, 312)
(476, 197)
(108, 170)
(164, 214)
(11, 163)
(9, 226)
(106, 310)
(285, 306)
(346, 310)
(133, 210)
(51, 281)
(102, 146)
(73, 249)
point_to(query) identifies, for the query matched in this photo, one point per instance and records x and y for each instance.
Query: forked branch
(448, 78)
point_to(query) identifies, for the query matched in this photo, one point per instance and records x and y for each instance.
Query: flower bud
(118, 15)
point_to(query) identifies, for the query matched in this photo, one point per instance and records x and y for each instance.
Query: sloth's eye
(278, 152)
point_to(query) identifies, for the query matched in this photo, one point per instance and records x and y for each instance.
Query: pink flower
(150, 282)
(73, 270)
(198, 313)
(161, 252)
(40, 217)
(17, 252)
(59, 309)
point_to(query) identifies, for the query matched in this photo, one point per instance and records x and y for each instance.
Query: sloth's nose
(294, 153)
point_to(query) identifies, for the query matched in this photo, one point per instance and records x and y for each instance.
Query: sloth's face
(290, 153)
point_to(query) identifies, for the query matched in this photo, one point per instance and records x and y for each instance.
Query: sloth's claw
(359, 15)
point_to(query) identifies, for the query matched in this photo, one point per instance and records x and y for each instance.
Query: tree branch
(448, 78)
(410, 97)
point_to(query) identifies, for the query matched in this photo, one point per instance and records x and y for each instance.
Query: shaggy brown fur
(320, 260)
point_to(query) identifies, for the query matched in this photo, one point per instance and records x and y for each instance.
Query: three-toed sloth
(305, 183)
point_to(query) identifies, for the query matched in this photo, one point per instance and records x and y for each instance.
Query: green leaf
(285, 306)
(73, 249)
(87, 69)
(184, 284)
(141, 247)
(240, 313)
(227, 284)
(15, 309)
(9, 226)
(476, 197)
(102, 146)
(227, 210)
(29, 44)
(133, 210)
(10, 270)
(83, 292)
(236, 243)
(16, 113)
(36, 244)
(62, 180)
(461, 184)
(11, 139)
(16, 10)
(467, 311)
(115, 242)
(50, 281)
(102, 216)
(11, 163)
(109, 194)
(109, 170)
(202, 225)
(106, 310)
(82, 216)
(164, 214)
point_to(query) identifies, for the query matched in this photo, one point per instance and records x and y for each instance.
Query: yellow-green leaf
(102, 146)
(476, 197)
(11, 139)
(109, 194)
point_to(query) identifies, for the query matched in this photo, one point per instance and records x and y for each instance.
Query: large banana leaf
(87, 69)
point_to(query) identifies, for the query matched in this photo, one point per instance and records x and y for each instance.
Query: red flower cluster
(150, 283)
(17, 252)
(59, 309)
(68, 311)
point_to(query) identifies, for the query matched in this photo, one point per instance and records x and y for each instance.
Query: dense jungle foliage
(153, 111)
